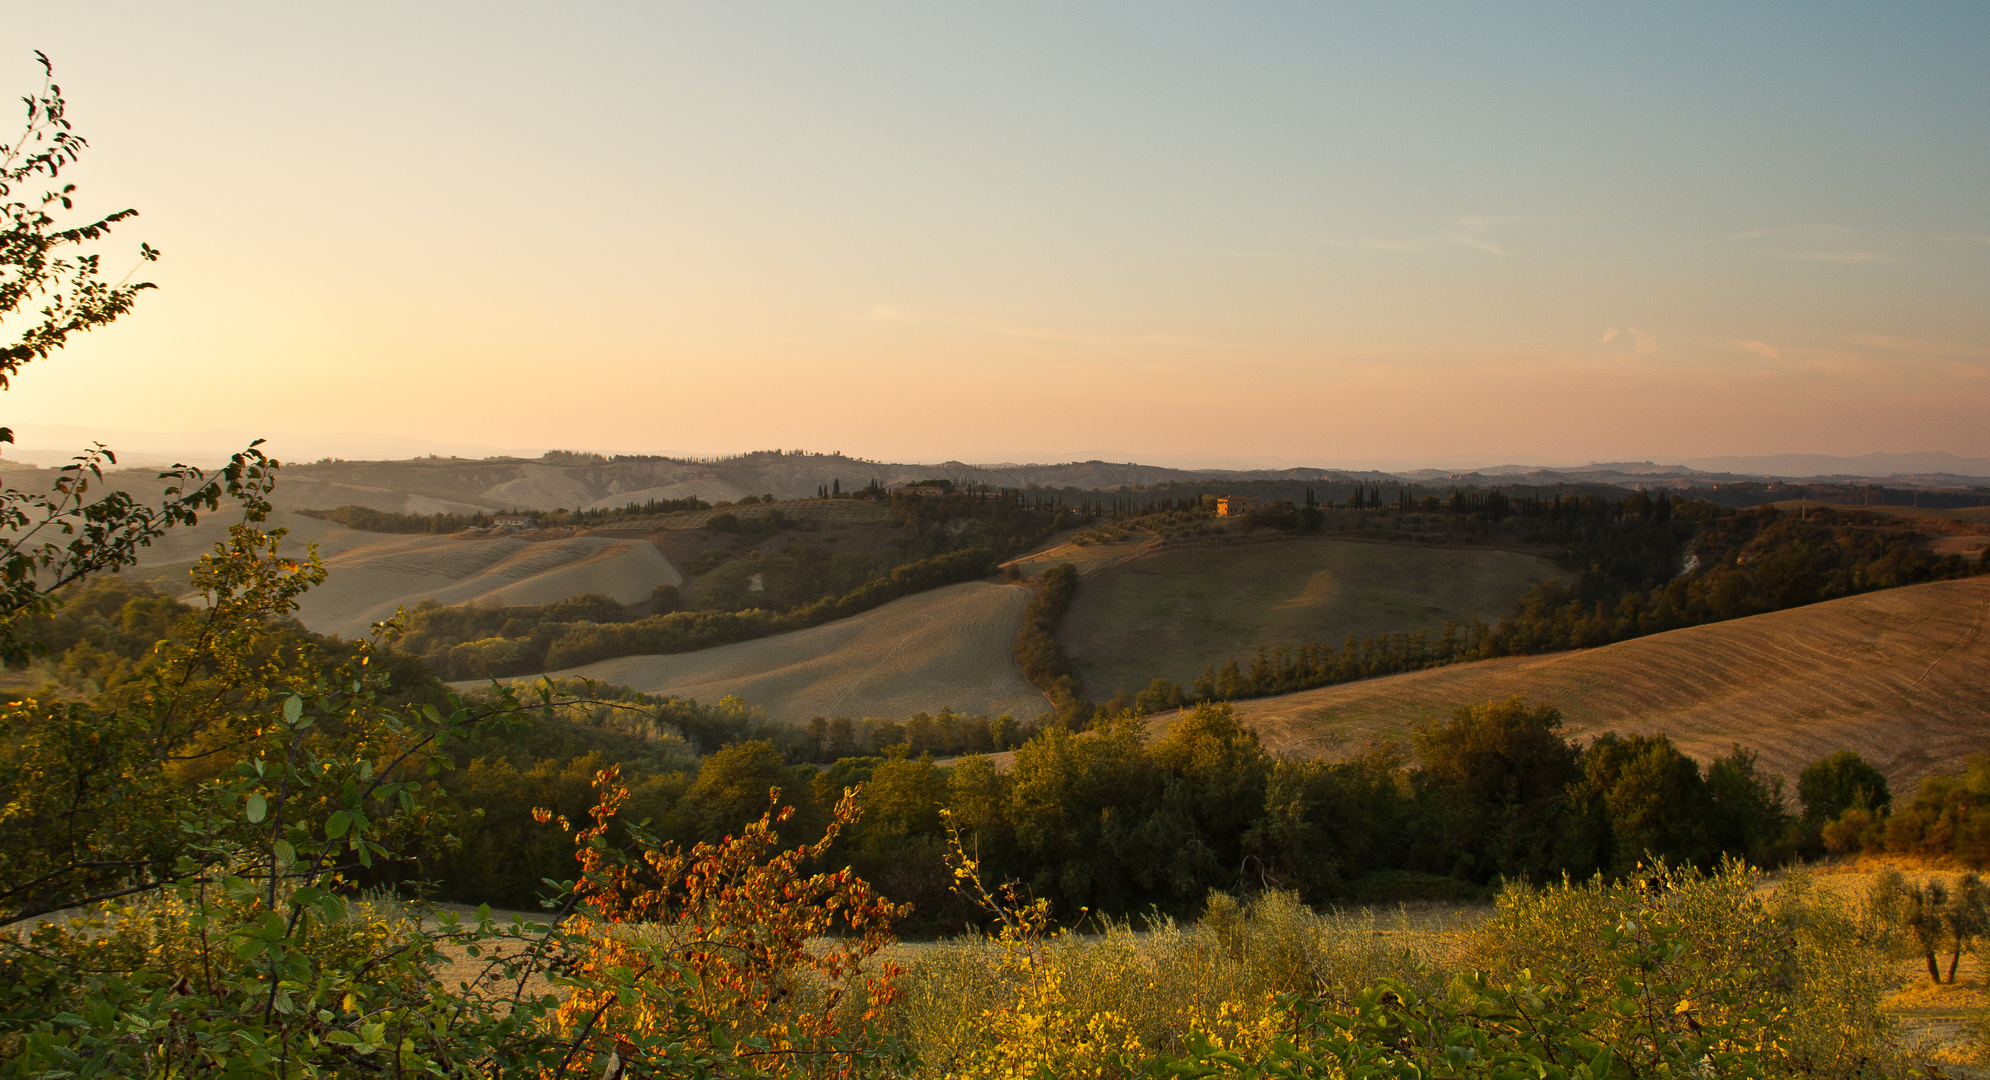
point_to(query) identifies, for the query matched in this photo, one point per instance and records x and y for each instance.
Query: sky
(1273, 233)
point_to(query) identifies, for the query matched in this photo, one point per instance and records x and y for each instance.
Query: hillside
(1170, 610)
(1902, 676)
(367, 581)
(949, 647)
(371, 574)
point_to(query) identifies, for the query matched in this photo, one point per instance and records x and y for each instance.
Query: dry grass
(1943, 1025)
(1901, 676)
(947, 647)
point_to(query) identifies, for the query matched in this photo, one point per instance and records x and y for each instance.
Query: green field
(1173, 611)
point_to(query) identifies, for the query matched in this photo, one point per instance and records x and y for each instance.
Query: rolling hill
(1170, 610)
(1901, 676)
(949, 647)
(371, 574)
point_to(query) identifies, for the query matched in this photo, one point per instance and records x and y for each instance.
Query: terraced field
(948, 647)
(1901, 676)
(1148, 610)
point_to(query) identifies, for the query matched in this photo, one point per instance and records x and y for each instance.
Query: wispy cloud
(1247, 253)
(1760, 348)
(1395, 245)
(1641, 343)
(1786, 230)
(1923, 347)
(1836, 256)
(880, 313)
(1807, 243)
(1470, 231)
(1971, 238)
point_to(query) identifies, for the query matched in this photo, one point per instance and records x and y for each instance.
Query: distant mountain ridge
(429, 485)
(1931, 463)
(560, 480)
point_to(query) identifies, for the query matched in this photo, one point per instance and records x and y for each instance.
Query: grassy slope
(948, 647)
(1901, 676)
(1172, 611)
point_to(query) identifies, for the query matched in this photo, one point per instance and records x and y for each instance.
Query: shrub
(1784, 972)
(1835, 784)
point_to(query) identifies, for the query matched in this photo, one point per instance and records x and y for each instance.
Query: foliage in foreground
(1673, 973)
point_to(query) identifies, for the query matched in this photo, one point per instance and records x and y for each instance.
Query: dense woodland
(1114, 823)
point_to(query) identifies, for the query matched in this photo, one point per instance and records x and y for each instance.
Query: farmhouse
(922, 489)
(512, 521)
(1234, 505)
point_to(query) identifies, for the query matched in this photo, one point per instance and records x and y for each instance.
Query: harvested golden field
(1901, 676)
(1170, 610)
(947, 647)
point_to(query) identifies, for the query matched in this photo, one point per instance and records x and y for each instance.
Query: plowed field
(1901, 676)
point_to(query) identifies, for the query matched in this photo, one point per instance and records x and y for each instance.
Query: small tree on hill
(1934, 917)
(1833, 785)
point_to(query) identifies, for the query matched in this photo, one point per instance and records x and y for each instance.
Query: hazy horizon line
(52, 445)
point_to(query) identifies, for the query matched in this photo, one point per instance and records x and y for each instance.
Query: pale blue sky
(1293, 232)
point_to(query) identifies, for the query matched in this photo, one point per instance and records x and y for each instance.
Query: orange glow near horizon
(1287, 235)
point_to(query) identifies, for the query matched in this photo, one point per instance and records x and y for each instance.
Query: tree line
(1116, 821)
(367, 519)
(1040, 656)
